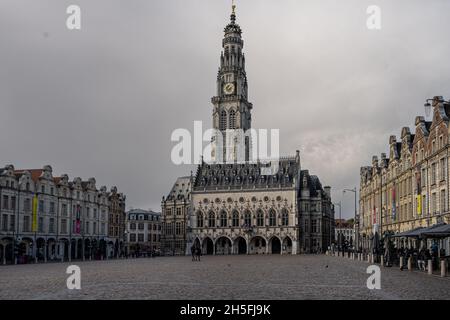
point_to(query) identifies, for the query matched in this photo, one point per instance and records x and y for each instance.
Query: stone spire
(232, 110)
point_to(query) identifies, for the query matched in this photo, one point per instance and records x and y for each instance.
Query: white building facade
(47, 218)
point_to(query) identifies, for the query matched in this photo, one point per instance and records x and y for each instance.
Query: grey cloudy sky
(103, 101)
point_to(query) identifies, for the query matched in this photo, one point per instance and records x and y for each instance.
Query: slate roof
(181, 189)
(244, 176)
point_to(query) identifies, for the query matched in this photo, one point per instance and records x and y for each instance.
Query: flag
(419, 194)
(394, 213)
(419, 205)
(78, 218)
(34, 222)
(374, 215)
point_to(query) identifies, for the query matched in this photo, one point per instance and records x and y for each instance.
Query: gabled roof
(35, 173)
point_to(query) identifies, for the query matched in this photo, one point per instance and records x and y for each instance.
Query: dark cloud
(104, 100)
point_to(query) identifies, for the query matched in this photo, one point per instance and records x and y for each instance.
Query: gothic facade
(236, 204)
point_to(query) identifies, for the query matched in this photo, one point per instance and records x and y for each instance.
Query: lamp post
(356, 217)
(126, 242)
(339, 233)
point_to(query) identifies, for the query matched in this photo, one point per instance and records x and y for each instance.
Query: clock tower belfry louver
(232, 110)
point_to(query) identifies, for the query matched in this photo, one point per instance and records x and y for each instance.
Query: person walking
(193, 253)
(198, 253)
(421, 259)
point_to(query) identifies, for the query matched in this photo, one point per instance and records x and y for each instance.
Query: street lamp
(356, 214)
(339, 233)
(125, 233)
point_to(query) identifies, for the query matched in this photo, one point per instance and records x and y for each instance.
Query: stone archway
(73, 248)
(240, 246)
(52, 250)
(207, 246)
(62, 251)
(40, 249)
(79, 250)
(223, 246)
(287, 245)
(102, 247)
(87, 249)
(24, 252)
(8, 252)
(258, 245)
(275, 245)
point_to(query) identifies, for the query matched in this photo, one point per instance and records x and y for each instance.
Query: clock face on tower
(228, 88)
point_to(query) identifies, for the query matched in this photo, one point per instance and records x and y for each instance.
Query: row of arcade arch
(28, 249)
(224, 245)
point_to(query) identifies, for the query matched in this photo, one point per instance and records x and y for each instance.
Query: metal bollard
(430, 267)
(401, 262)
(443, 268)
(410, 264)
(382, 261)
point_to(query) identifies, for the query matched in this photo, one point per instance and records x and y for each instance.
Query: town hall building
(239, 207)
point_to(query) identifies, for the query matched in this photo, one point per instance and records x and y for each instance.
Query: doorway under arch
(258, 245)
(240, 245)
(208, 246)
(223, 246)
(275, 245)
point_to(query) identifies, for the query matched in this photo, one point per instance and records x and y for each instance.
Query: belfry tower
(232, 110)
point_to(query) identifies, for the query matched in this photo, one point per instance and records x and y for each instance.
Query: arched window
(223, 219)
(199, 220)
(248, 218)
(260, 218)
(212, 220)
(235, 219)
(223, 120)
(285, 218)
(232, 119)
(272, 218)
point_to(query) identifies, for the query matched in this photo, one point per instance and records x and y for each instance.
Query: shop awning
(441, 231)
(420, 232)
(411, 233)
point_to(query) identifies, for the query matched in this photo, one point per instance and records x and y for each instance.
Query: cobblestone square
(219, 277)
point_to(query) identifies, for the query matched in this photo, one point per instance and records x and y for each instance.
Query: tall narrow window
(199, 220)
(284, 218)
(232, 119)
(248, 219)
(260, 218)
(212, 220)
(51, 225)
(235, 219)
(223, 219)
(272, 218)
(223, 120)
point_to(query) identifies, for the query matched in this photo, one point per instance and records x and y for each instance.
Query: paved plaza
(219, 277)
